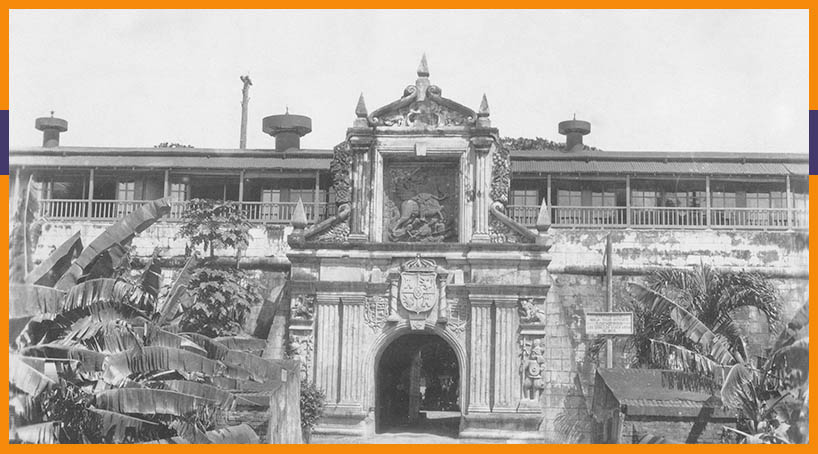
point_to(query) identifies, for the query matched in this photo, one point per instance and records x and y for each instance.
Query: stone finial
(484, 107)
(543, 218)
(423, 67)
(299, 220)
(483, 114)
(360, 109)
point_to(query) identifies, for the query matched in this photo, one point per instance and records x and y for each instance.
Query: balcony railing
(99, 210)
(657, 217)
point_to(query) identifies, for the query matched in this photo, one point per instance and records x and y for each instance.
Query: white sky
(646, 80)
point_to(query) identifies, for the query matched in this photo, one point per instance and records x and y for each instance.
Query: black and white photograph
(409, 226)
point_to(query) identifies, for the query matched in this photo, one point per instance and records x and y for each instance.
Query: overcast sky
(646, 80)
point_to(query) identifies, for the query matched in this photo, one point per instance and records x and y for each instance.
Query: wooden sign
(617, 323)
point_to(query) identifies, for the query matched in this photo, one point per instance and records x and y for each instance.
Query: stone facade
(420, 243)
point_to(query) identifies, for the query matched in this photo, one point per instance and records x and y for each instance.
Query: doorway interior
(418, 386)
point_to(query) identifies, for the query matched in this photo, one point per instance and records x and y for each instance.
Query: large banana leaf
(97, 290)
(260, 369)
(27, 378)
(795, 328)
(23, 237)
(25, 407)
(86, 360)
(190, 432)
(116, 425)
(151, 280)
(244, 344)
(149, 401)
(120, 233)
(224, 398)
(52, 268)
(241, 434)
(111, 336)
(157, 359)
(30, 300)
(178, 291)
(41, 434)
(162, 338)
(215, 350)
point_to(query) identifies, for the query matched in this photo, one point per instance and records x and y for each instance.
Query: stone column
(506, 356)
(352, 354)
(326, 345)
(482, 188)
(480, 354)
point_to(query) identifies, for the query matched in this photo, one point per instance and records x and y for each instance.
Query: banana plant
(102, 359)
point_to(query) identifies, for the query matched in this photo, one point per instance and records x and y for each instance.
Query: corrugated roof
(179, 162)
(657, 167)
(647, 384)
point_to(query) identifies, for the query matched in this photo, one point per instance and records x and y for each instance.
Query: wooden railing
(257, 212)
(656, 217)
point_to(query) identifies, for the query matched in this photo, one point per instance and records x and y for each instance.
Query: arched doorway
(418, 386)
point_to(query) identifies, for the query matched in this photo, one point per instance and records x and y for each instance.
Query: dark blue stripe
(4, 118)
(813, 142)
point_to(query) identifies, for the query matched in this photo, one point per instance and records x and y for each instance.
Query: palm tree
(101, 359)
(686, 319)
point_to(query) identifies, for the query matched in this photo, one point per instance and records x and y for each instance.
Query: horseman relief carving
(420, 204)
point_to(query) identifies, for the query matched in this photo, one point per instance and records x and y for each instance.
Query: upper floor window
(126, 190)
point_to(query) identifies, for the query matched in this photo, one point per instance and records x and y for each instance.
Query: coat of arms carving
(418, 290)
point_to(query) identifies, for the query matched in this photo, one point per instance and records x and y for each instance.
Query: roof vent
(287, 129)
(51, 128)
(573, 131)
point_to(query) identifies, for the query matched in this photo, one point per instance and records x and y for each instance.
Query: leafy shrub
(215, 224)
(313, 401)
(222, 297)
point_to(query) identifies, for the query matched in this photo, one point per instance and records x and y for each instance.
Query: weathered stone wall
(578, 286)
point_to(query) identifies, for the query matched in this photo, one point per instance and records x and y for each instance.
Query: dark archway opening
(418, 386)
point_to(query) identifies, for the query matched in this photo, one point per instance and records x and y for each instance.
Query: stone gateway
(420, 293)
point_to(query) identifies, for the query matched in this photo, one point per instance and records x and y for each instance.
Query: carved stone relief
(532, 355)
(421, 203)
(458, 316)
(376, 312)
(425, 114)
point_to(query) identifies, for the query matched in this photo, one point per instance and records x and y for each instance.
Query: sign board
(609, 323)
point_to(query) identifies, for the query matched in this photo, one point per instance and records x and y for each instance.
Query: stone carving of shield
(418, 291)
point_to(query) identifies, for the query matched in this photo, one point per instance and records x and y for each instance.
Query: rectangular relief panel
(421, 202)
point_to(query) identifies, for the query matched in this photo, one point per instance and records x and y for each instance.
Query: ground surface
(436, 428)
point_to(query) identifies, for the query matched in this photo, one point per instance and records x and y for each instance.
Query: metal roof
(657, 167)
(651, 392)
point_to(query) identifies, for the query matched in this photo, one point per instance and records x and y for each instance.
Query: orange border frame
(454, 4)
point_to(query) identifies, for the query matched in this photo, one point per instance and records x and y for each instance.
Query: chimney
(245, 99)
(287, 129)
(573, 131)
(51, 128)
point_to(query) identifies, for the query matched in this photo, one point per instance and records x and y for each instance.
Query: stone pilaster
(482, 183)
(326, 345)
(352, 351)
(506, 356)
(361, 186)
(480, 353)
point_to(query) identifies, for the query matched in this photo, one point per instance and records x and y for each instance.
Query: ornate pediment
(422, 107)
